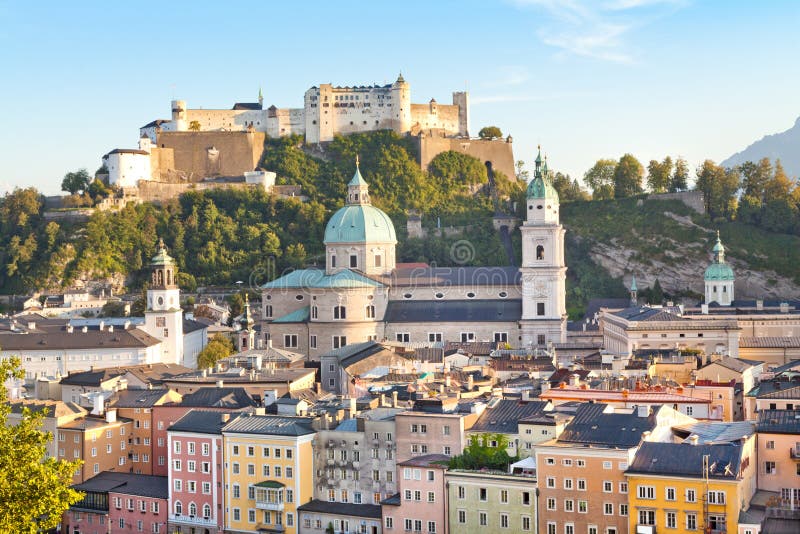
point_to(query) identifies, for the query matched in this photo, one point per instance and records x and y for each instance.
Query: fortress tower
(544, 314)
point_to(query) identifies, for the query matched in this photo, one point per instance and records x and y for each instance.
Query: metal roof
(445, 277)
(202, 422)
(593, 426)
(127, 484)
(371, 511)
(779, 421)
(270, 425)
(317, 279)
(471, 311)
(685, 460)
(504, 416)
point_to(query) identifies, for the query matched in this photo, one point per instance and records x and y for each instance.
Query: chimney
(69, 328)
(760, 304)
(219, 383)
(352, 407)
(85, 329)
(205, 373)
(224, 418)
(102, 324)
(269, 343)
(784, 307)
(318, 388)
(126, 325)
(704, 309)
(447, 381)
(270, 396)
(111, 328)
(111, 416)
(470, 382)
(382, 401)
(643, 410)
(526, 396)
(261, 411)
(441, 389)
(545, 386)
(574, 379)
(394, 399)
(694, 439)
(31, 325)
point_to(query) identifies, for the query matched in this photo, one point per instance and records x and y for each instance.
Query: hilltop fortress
(224, 145)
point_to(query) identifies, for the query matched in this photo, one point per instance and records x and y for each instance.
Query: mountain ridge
(784, 146)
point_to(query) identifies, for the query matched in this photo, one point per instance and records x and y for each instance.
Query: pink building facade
(779, 454)
(423, 433)
(119, 502)
(421, 505)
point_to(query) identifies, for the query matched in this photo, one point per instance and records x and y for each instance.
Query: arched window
(192, 509)
(339, 312)
(314, 312)
(206, 511)
(539, 252)
(370, 311)
(178, 508)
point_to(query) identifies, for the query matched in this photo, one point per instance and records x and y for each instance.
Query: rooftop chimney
(111, 328)
(224, 418)
(704, 309)
(394, 399)
(102, 324)
(643, 410)
(111, 416)
(760, 304)
(219, 383)
(526, 395)
(69, 328)
(85, 329)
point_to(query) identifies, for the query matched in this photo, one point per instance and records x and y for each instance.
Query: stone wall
(693, 199)
(498, 151)
(197, 155)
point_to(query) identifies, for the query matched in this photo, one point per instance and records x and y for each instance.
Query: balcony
(266, 528)
(192, 520)
(269, 495)
(645, 529)
(794, 453)
(268, 505)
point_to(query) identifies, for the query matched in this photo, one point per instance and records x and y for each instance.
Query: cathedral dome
(360, 223)
(719, 272)
(541, 188)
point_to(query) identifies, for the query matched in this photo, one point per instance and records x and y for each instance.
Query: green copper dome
(161, 257)
(360, 223)
(719, 271)
(540, 186)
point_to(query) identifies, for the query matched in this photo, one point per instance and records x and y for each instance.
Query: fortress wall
(286, 121)
(238, 152)
(360, 118)
(227, 119)
(445, 117)
(498, 151)
(693, 199)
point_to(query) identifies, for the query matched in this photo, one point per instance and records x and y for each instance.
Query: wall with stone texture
(498, 151)
(693, 199)
(238, 152)
(435, 116)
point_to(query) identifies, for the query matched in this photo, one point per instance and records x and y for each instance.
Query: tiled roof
(371, 511)
(232, 398)
(769, 342)
(471, 311)
(592, 426)
(54, 408)
(480, 348)
(504, 416)
(203, 422)
(139, 398)
(685, 460)
(778, 389)
(270, 425)
(362, 350)
(190, 325)
(563, 375)
(127, 484)
(779, 421)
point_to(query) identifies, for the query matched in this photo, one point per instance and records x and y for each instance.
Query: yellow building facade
(684, 488)
(268, 473)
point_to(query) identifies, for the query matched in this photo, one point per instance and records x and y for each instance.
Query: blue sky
(586, 79)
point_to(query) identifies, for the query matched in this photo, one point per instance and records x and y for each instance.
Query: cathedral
(363, 294)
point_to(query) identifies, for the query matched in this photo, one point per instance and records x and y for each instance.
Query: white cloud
(509, 75)
(596, 30)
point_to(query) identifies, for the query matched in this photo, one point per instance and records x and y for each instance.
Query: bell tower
(163, 314)
(543, 271)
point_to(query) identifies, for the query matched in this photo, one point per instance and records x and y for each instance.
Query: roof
(270, 425)
(157, 122)
(563, 375)
(646, 313)
(504, 416)
(127, 151)
(54, 408)
(298, 316)
(92, 378)
(472, 311)
(427, 460)
(139, 398)
(371, 511)
(359, 223)
(593, 426)
(190, 325)
(717, 431)
(316, 278)
(630, 397)
(769, 342)
(128, 484)
(270, 484)
(232, 398)
(357, 179)
(480, 348)
(202, 422)
(361, 350)
(777, 389)
(779, 421)
(734, 364)
(685, 460)
(241, 106)
(541, 187)
(445, 277)
(59, 339)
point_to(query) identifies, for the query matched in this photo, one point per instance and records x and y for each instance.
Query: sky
(585, 79)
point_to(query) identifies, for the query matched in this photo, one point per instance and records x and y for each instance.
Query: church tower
(163, 318)
(245, 338)
(544, 313)
(719, 278)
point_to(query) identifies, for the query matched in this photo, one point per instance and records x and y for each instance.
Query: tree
(658, 175)
(485, 451)
(236, 303)
(34, 488)
(628, 177)
(218, 348)
(194, 126)
(520, 171)
(568, 190)
(600, 179)
(490, 132)
(74, 182)
(755, 177)
(719, 187)
(680, 176)
(98, 190)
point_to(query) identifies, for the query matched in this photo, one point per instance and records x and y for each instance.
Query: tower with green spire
(260, 99)
(543, 270)
(719, 279)
(634, 291)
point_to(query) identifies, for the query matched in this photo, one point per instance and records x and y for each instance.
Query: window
(623, 509)
(770, 468)
(580, 463)
(647, 517)
(353, 261)
(606, 465)
(671, 520)
(462, 516)
(339, 312)
(339, 341)
(378, 260)
(581, 484)
(467, 336)
(567, 483)
(550, 461)
(551, 503)
(583, 507)
(646, 492)
(462, 492)
(434, 336)
(623, 487)
(504, 496)
(539, 252)
(608, 508)
(268, 311)
(691, 521)
(608, 486)
(716, 497)
(551, 482)
(569, 505)
(501, 337)
(526, 522)
(290, 341)
(670, 494)
(540, 308)
(483, 519)
(482, 494)
(503, 520)
(691, 496)
(402, 337)
(526, 498)
(370, 311)
(541, 339)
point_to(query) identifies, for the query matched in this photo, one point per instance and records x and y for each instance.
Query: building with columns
(363, 294)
